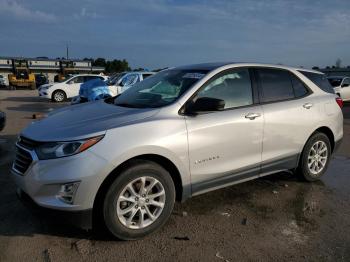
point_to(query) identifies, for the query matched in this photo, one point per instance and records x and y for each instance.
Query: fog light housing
(67, 192)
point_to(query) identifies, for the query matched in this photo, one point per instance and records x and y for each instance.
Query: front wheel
(59, 96)
(139, 201)
(315, 157)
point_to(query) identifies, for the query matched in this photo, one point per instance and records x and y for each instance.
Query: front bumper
(44, 93)
(81, 219)
(43, 180)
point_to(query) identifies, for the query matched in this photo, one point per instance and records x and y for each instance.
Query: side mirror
(345, 85)
(205, 104)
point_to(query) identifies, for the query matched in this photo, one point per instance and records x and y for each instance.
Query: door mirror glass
(205, 104)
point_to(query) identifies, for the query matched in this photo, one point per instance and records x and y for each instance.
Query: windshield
(335, 81)
(161, 89)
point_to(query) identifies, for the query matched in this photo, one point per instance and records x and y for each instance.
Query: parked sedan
(341, 86)
(2, 120)
(59, 92)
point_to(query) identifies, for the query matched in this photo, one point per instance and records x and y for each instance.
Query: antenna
(67, 52)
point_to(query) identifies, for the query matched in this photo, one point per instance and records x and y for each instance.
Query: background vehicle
(122, 81)
(2, 120)
(21, 75)
(92, 90)
(2, 81)
(183, 132)
(341, 85)
(40, 80)
(58, 92)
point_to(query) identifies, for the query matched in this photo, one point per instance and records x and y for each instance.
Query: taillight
(339, 102)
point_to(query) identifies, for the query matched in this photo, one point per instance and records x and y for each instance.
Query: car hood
(84, 120)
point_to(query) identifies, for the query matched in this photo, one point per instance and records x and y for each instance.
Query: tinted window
(77, 80)
(346, 82)
(299, 87)
(335, 81)
(320, 80)
(88, 78)
(276, 85)
(234, 87)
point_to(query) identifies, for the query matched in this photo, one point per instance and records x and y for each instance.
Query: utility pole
(67, 52)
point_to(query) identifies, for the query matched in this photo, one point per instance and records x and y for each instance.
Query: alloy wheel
(318, 157)
(141, 202)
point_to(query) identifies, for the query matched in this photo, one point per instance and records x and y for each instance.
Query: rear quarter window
(320, 80)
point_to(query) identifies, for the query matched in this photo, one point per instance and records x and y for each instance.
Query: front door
(74, 86)
(225, 146)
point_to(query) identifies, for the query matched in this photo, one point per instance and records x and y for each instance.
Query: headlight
(61, 149)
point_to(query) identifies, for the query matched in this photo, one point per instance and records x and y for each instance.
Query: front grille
(22, 161)
(23, 157)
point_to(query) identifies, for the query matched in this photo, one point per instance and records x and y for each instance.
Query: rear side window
(300, 89)
(276, 85)
(335, 81)
(320, 80)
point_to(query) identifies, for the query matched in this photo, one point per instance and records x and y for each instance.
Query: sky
(161, 33)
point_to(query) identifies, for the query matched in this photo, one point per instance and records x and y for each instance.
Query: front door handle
(307, 105)
(252, 116)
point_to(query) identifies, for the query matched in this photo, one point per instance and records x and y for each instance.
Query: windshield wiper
(126, 105)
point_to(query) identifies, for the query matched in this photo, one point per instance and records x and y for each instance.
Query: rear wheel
(139, 201)
(59, 96)
(315, 157)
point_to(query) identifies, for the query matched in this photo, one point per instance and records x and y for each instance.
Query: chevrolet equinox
(185, 131)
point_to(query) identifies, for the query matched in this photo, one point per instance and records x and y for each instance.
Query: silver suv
(182, 132)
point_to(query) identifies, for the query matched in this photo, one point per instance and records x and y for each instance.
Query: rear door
(225, 146)
(288, 117)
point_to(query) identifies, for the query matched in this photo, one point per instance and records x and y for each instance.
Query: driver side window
(233, 86)
(76, 80)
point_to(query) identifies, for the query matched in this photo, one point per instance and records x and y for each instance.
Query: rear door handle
(307, 105)
(252, 116)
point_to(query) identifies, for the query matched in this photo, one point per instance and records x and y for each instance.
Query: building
(49, 67)
(342, 71)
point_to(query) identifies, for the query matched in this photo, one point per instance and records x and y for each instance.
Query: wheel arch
(161, 160)
(328, 132)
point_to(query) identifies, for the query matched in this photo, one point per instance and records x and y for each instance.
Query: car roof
(216, 65)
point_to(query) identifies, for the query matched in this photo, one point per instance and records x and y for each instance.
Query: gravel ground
(272, 219)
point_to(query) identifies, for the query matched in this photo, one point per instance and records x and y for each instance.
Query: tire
(59, 96)
(312, 159)
(114, 204)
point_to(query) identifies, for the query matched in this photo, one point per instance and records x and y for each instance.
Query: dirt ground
(276, 218)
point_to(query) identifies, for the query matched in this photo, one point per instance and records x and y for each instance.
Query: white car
(58, 92)
(341, 86)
